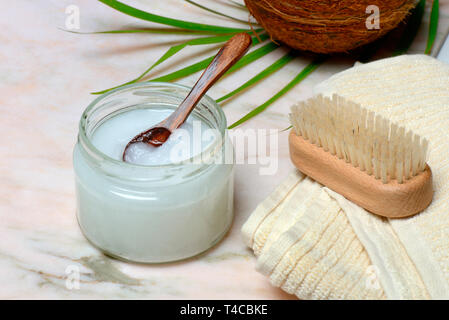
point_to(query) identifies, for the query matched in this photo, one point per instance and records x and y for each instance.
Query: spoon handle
(229, 54)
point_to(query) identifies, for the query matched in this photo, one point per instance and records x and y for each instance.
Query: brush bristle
(358, 136)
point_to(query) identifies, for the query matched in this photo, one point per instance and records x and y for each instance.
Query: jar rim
(95, 153)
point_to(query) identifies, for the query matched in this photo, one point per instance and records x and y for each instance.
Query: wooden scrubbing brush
(366, 158)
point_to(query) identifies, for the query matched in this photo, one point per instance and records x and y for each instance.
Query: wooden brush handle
(391, 200)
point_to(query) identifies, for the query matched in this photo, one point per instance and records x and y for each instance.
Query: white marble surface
(46, 76)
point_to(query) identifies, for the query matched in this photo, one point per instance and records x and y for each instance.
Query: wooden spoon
(228, 55)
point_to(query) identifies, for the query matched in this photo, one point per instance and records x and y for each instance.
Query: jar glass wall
(155, 213)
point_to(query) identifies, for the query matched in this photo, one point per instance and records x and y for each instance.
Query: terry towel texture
(313, 243)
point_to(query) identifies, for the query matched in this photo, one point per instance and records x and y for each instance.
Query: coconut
(327, 26)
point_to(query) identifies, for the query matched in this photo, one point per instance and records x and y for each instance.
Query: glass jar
(155, 213)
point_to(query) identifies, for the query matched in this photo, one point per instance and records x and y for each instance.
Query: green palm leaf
(171, 52)
(224, 33)
(194, 67)
(433, 26)
(263, 74)
(248, 58)
(119, 6)
(149, 30)
(301, 76)
(286, 129)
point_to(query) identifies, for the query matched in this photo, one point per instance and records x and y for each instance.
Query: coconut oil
(166, 203)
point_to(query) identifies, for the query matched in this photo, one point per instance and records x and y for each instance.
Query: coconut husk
(326, 26)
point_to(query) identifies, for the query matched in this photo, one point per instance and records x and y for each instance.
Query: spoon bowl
(154, 136)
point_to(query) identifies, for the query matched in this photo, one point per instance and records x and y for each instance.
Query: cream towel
(315, 244)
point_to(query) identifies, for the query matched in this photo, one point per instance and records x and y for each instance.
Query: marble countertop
(47, 76)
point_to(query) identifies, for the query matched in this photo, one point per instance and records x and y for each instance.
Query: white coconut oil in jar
(171, 202)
